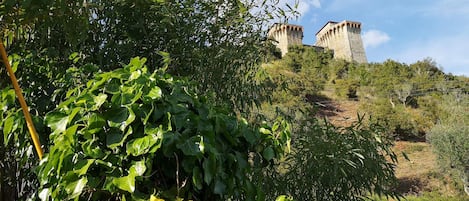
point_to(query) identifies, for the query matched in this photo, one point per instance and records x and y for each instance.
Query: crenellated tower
(286, 35)
(344, 38)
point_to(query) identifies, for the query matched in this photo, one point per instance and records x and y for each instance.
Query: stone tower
(344, 38)
(286, 35)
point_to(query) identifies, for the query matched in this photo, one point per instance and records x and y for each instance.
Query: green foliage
(335, 163)
(133, 134)
(401, 122)
(16, 150)
(327, 162)
(294, 88)
(220, 44)
(450, 139)
(346, 88)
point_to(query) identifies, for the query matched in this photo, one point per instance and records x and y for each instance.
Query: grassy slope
(420, 179)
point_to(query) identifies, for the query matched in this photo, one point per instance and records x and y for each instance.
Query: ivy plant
(131, 134)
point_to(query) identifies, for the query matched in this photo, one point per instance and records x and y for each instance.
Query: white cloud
(374, 38)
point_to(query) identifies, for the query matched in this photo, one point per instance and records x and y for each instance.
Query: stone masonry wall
(286, 35)
(344, 38)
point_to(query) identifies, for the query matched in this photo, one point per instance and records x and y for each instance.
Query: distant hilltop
(343, 38)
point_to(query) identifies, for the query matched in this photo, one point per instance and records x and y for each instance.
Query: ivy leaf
(135, 74)
(119, 117)
(96, 122)
(147, 144)
(98, 101)
(268, 153)
(126, 183)
(57, 121)
(210, 168)
(91, 150)
(155, 93)
(74, 189)
(117, 138)
(190, 146)
(138, 169)
(219, 187)
(82, 166)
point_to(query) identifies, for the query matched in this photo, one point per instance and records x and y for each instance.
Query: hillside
(418, 105)
(417, 176)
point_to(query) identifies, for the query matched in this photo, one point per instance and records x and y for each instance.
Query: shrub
(335, 163)
(451, 144)
(132, 134)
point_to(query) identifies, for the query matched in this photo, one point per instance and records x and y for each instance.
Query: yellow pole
(27, 116)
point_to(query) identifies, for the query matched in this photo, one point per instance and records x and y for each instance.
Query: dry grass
(420, 173)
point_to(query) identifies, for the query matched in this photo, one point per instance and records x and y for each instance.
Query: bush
(346, 88)
(335, 163)
(451, 144)
(132, 134)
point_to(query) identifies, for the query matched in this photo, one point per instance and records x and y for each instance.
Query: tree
(60, 45)
(216, 43)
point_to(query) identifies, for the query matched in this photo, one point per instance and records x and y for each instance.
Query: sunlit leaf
(74, 189)
(57, 121)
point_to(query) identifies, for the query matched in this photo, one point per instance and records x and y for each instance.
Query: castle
(343, 38)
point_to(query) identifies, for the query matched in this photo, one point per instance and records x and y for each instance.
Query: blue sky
(405, 31)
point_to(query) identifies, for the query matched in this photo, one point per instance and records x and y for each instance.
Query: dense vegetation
(133, 134)
(411, 102)
(168, 125)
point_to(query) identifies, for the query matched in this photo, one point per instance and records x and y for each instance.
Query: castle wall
(286, 35)
(344, 39)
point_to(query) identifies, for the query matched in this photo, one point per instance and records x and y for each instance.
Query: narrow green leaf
(197, 178)
(265, 131)
(7, 128)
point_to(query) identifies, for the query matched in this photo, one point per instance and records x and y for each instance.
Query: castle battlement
(286, 35)
(344, 38)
